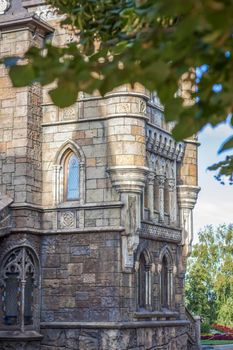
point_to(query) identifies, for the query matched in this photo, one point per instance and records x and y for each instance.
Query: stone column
(171, 184)
(161, 181)
(57, 184)
(198, 330)
(151, 181)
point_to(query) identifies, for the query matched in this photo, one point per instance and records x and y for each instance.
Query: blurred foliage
(209, 280)
(156, 43)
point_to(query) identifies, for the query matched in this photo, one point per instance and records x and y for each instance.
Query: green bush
(205, 327)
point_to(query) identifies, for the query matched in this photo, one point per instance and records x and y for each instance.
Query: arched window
(144, 283)
(69, 174)
(71, 177)
(19, 288)
(166, 281)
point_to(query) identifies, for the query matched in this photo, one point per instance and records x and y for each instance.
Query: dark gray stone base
(138, 337)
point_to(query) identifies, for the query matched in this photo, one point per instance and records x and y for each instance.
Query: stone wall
(81, 277)
(129, 338)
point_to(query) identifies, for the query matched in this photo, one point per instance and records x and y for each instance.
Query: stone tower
(96, 208)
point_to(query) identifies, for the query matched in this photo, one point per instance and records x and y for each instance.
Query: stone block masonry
(96, 208)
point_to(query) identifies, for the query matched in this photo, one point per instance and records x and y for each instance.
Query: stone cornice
(28, 21)
(187, 196)
(68, 231)
(67, 205)
(128, 178)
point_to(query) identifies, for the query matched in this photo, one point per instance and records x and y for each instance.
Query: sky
(215, 201)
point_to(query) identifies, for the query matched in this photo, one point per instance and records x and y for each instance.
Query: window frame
(147, 304)
(63, 153)
(26, 253)
(166, 255)
(67, 158)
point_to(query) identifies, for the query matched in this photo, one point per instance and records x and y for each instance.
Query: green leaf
(226, 145)
(65, 94)
(22, 75)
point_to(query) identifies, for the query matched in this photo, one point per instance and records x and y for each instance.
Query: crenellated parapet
(162, 143)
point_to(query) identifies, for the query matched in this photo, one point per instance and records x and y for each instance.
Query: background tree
(156, 43)
(209, 280)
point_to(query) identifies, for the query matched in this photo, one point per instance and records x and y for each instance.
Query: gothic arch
(20, 282)
(166, 273)
(72, 146)
(166, 251)
(68, 148)
(143, 271)
(142, 249)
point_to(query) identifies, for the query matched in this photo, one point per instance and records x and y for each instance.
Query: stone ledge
(10, 22)
(70, 231)
(156, 314)
(114, 325)
(68, 205)
(106, 117)
(18, 335)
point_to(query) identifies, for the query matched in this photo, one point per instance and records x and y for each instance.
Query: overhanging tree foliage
(156, 43)
(209, 280)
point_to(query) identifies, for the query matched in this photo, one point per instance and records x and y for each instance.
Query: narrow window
(72, 177)
(142, 282)
(166, 281)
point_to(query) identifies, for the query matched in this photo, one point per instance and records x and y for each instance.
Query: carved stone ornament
(4, 5)
(46, 13)
(67, 219)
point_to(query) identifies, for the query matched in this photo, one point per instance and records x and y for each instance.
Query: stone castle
(96, 208)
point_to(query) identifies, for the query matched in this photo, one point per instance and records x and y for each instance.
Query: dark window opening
(11, 298)
(142, 282)
(164, 283)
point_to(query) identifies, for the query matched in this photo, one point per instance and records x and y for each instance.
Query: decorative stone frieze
(159, 232)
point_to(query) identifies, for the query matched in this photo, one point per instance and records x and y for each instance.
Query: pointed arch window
(166, 283)
(19, 288)
(144, 283)
(69, 174)
(72, 177)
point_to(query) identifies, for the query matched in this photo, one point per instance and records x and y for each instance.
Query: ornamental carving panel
(67, 219)
(163, 233)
